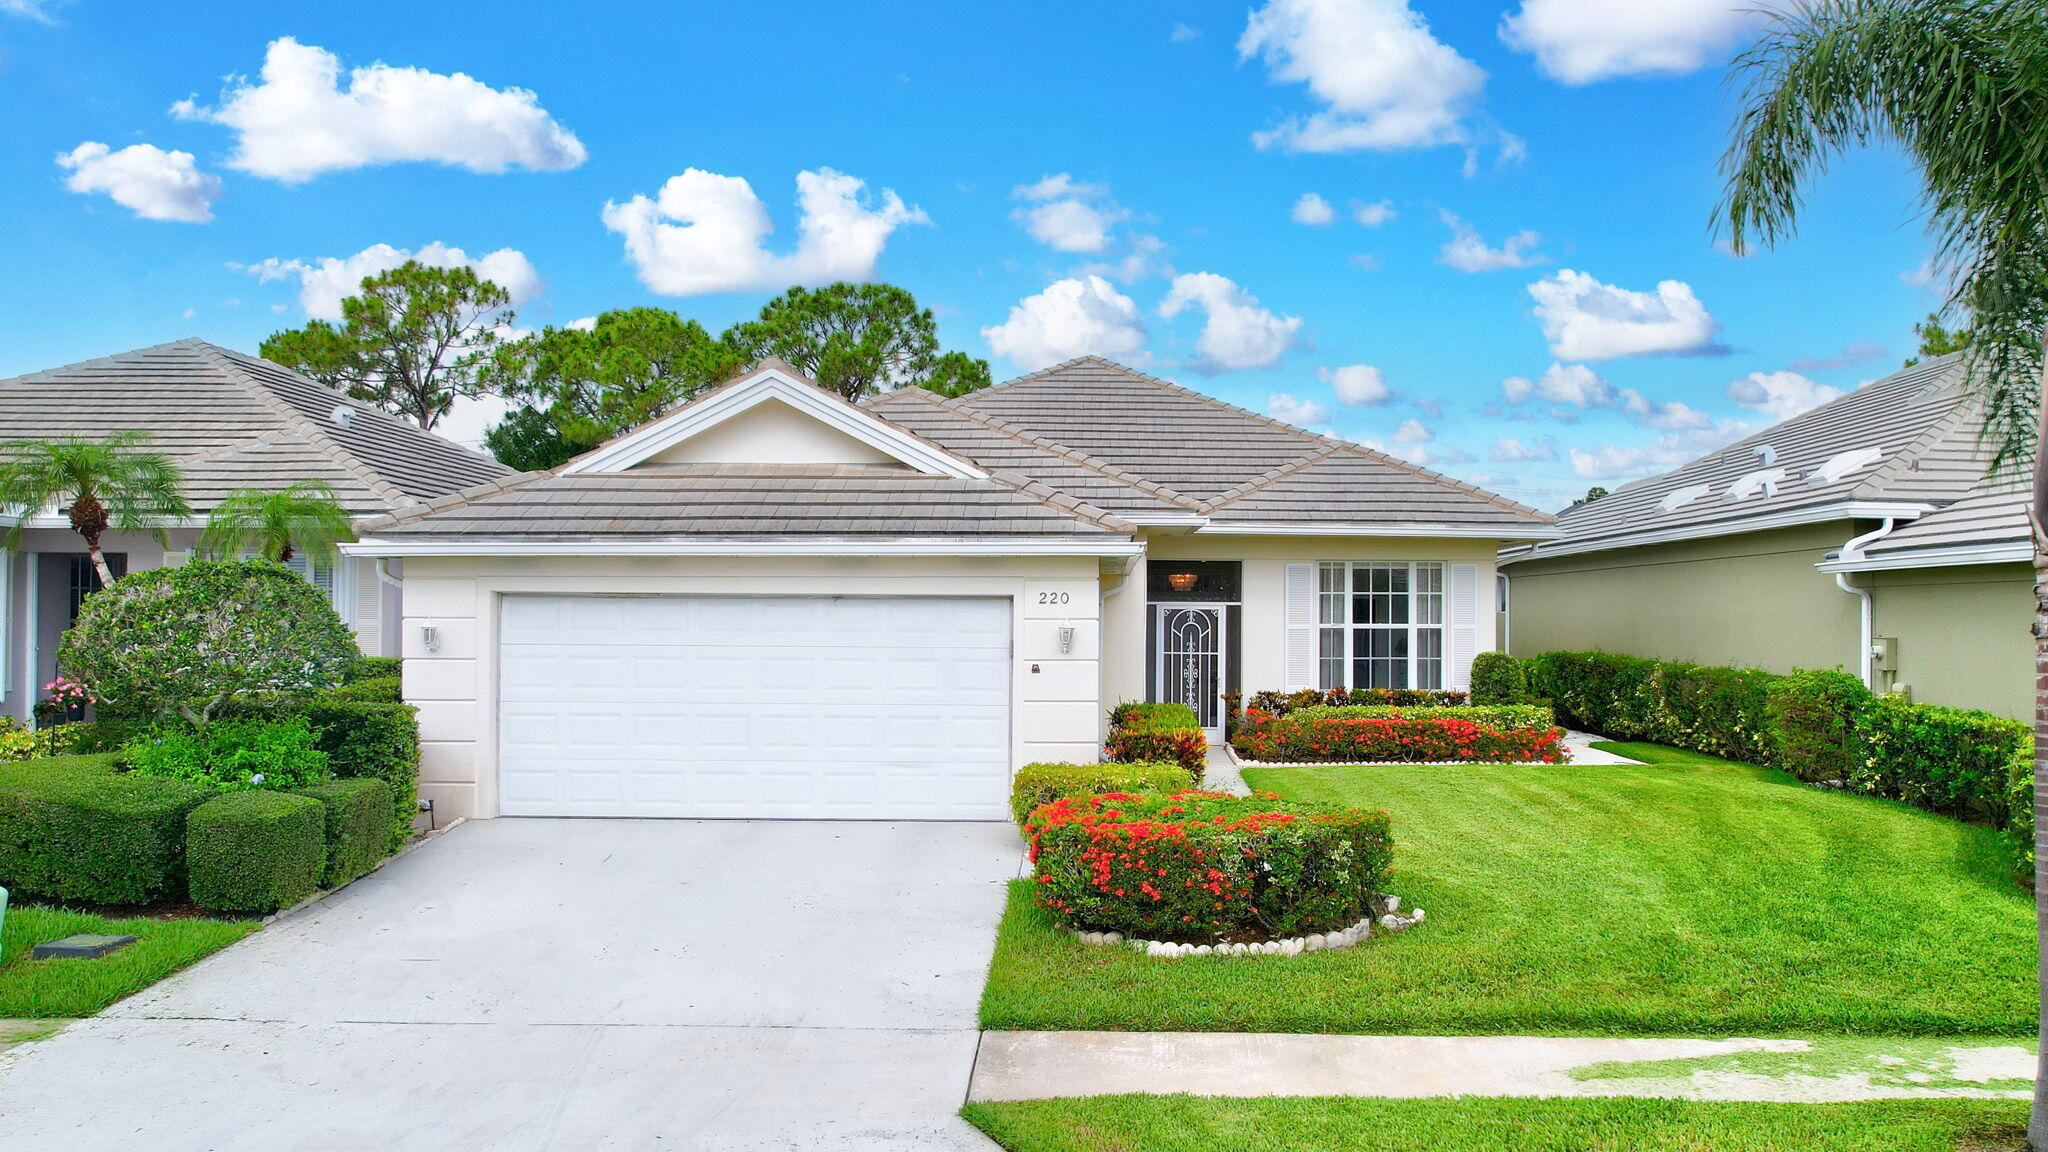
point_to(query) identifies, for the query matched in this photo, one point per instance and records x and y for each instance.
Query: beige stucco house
(1861, 535)
(771, 602)
(228, 421)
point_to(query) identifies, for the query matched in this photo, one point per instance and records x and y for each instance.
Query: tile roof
(1915, 431)
(1995, 515)
(231, 420)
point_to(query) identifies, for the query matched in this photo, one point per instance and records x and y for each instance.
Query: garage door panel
(755, 707)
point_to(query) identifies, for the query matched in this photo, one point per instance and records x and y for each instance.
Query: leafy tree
(1962, 87)
(189, 641)
(527, 440)
(1937, 339)
(411, 341)
(857, 339)
(1592, 494)
(277, 525)
(103, 484)
(626, 369)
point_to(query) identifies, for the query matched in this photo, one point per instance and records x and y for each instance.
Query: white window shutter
(1464, 624)
(176, 559)
(369, 605)
(1301, 626)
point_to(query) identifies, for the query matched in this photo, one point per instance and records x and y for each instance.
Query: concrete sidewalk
(1036, 1065)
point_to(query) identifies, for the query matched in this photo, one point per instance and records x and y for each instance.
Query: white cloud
(1183, 33)
(324, 282)
(1066, 215)
(1780, 395)
(1631, 461)
(1669, 414)
(1313, 211)
(705, 233)
(155, 184)
(36, 10)
(1577, 386)
(1581, 41)
(1364, 261)
(1413, 431)
(1236, 333)
(1357, 385)
(1467, 252)
(1853, 353)
(1586, 320)
(1073, 317)
(470, 417)
(582, 324)
(1514, 450)
(299, 121)
(1303, 413)
(1386, 82)
(1374, 214)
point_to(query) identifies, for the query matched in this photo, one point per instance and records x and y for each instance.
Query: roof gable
(771, 416)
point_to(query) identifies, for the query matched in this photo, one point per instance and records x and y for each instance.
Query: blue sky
(1534, 302)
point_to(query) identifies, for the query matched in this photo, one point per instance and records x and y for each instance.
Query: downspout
(1853, 550)
(384, 573)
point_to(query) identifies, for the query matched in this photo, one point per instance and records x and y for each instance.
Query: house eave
(1955, 556)
(1422, 531)
(751, 546)
(1816, 514)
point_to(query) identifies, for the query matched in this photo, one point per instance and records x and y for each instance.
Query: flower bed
(1281, 703)
(1340, 739)
(1205, 867)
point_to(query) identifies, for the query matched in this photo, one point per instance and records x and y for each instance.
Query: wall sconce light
(1180, 581)
(1066, 635)
(430, 638)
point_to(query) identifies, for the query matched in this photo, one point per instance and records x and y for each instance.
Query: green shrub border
(356, 822)
(72, 829)
(255, 851)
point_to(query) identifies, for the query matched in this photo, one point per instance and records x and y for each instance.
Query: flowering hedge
(1281, 703)
(1205, 866)
(1185, 747)
(1034, 785)
(1341, 739)
(1486, 715)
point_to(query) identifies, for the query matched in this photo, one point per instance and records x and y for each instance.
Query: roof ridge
(297, 420)
(419, 509)
(1267, 477)
(1059, 501)
(1064, 451)
(1965, 410)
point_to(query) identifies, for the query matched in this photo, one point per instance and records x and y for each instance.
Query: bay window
(1380, 624)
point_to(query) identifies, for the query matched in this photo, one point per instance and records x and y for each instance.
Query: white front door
(754, 706)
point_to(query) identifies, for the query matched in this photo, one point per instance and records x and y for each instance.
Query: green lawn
(1342, 1124)
(66, 988)
(1692, 896)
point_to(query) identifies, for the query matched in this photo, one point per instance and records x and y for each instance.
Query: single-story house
(772, 602)
(1863, 534)
(228, 421)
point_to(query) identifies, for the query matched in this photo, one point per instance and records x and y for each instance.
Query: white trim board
(1793, 518)
(725, 546)
(1422, 531)
(768, 384)
(2014, 552)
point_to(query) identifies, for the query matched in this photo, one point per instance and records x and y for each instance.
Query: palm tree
(1962, 87)
(278, 525)
(106, 484)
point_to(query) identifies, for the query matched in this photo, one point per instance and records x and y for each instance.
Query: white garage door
(796, 707)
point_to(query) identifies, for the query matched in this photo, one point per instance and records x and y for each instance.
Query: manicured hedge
(1719, 711)
(357, 824)
(2019, 828)
(1814, 715)
(1186, 747)
(1036, 784)
(255, 851)
(378, 741)
(1300, 738)
(70, 829)
(376, 690)
(1281, 703)
(372, 668)
(1947, 759)
(1486, 715)
(1498, 678)
(1133, 714)
(1203, 866)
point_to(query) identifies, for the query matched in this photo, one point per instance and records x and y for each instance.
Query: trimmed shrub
(1036, 784)
(1486, 715)
(357, 824)
(1345, 740)
(378, 741)
(71, 829)
(1498, 678)
(1186, 747)
(1133, 714)
(372, 668)
(255, 851)
(375, 690)
(2019, 824)
(232, 755)
(1281, 703)
(1203, 866)
(191, 641)
(1719, 711)
(1813, 723)
(1948, 759)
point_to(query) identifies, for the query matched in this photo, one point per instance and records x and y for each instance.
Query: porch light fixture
(1180, 581)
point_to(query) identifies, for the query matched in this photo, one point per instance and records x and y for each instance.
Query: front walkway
(557, 984)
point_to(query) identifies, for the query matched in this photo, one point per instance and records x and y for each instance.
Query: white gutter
(1816, 514)
(792, 546)
(2013, 552)
(384, 573)
(1853, 550)
(1450, 531)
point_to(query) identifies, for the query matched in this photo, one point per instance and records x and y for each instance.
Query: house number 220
(1054, 597)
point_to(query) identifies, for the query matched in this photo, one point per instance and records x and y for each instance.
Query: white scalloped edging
(1389, 921)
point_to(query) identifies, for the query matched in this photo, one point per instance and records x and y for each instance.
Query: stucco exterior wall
(1962, 634)
(1056, 702)
(1263, 634)
(1745, 601)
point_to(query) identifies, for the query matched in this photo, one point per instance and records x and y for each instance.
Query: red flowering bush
(1346, 739)
(1281, 703)
(1200, 867)
(1184, 747)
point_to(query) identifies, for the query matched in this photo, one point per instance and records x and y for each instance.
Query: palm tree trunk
(2037, 1119)
(99, 562)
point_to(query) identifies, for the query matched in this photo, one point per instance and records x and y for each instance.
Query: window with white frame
(1380, 624)
(320, 574)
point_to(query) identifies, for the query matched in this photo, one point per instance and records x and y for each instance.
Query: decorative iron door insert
(1190, 668)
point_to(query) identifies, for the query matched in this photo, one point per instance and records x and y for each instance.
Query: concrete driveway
(567, 984)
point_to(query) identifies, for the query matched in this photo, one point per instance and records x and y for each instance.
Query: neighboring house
(771, 602)
(228, 421)
(1858, 535)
